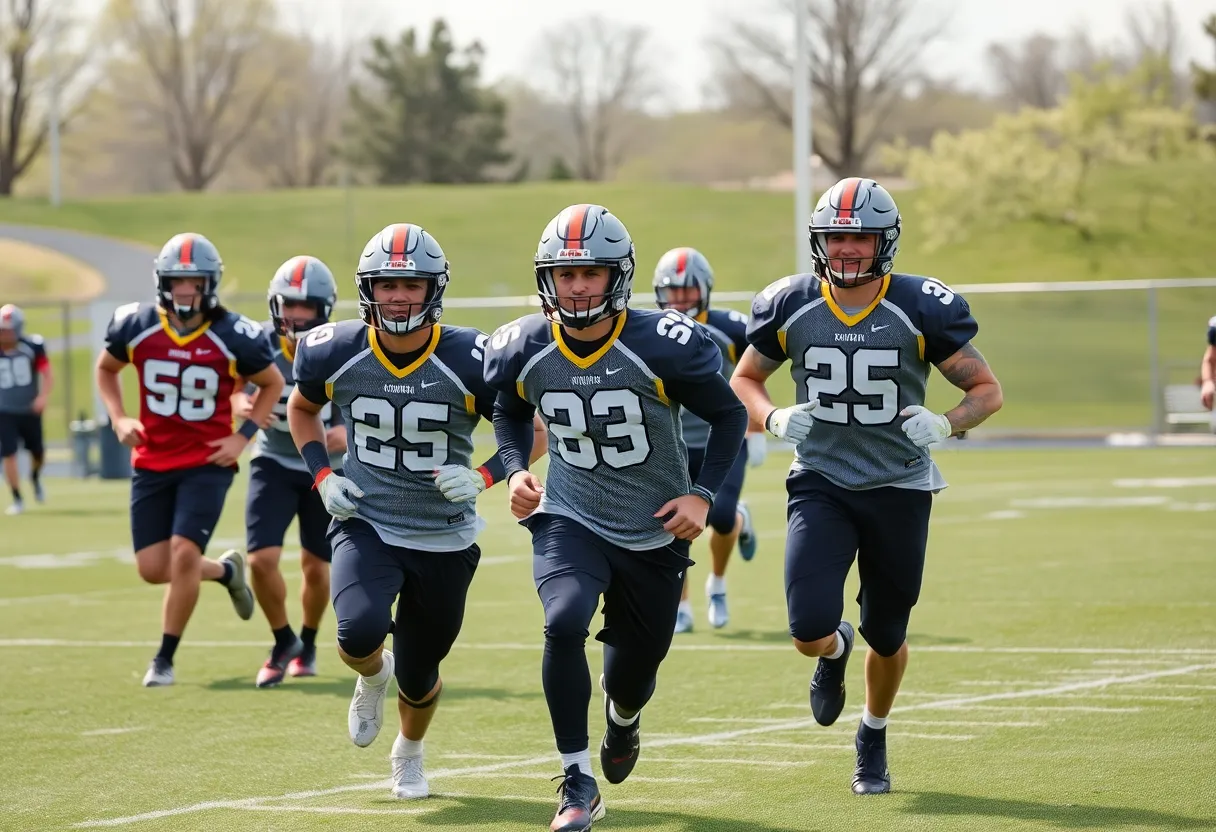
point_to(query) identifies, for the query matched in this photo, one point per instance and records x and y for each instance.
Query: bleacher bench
(1183, 406)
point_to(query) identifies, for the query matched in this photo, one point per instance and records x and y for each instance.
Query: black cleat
(827, 685)
(579, 802)
(619, 748)
(871, 775)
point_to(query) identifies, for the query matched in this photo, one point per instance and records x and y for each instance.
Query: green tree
(1204, 79)
(559, 171)
(1036, 165)
(424, 116)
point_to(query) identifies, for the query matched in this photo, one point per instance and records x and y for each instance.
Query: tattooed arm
(968, 371)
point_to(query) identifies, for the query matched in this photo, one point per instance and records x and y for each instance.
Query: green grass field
(1062, 676)
(1068, 361)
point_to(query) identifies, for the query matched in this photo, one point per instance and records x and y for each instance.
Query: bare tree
(29, 30)
(1156, 38)
(863, 54)
(204, 76)
(296, 138)
(601, 78)
(1029, 72)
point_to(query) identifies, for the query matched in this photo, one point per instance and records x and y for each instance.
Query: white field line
(702, 739)
(1082, 709)
(338, 810)
(109, 732)
(1197, 652)
(713, 761)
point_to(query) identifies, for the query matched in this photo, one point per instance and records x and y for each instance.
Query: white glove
(459, 484)
(924, 427)
(757, 449)
(339, 495)
(793, 424)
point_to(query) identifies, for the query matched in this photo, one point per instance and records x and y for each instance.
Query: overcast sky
(508, 29)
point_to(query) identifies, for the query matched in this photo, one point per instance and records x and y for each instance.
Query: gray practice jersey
(19, 369)
(864, 368)
(275, 442)
(616, 454)
(402, 425)
(728, 329)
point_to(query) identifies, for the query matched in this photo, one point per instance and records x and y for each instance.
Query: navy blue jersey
(20, 381)
(275, 441)
(616, 452)
(402, 425)
(864, 368)
(728, 329)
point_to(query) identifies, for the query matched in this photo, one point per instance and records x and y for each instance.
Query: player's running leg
(725, 523)
(10, 441)
(639, 610)
(314, 598)
(315, 555)
(32, 439)
(571, 571)
(429, 616)
(367, 577)
(821, 544)
(890, 563)
(270, 506)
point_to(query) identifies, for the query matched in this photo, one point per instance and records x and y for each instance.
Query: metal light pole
(53, 112)
(802, 138)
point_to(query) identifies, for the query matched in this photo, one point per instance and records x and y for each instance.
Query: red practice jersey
(185, 381)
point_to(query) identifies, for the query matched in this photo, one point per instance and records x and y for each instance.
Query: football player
(619, 509)
(188, 352)
(410, 392)
(25, 384)
(684, 281)
(1207, 369)
(861, 341)
(301, 297)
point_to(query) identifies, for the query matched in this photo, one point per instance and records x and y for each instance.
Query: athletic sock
(877, 723)
(168, 646)
(582, 759)
(839, 651)
(229, 572)
(308, 635)
(284, 637)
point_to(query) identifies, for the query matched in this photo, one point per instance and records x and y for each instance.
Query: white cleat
(366, 713)
(716, 611)
(238, 588)
(159, 675)
(16, 508)
(409, 782)
(683, 621)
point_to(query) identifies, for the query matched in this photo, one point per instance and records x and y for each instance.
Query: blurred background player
(861, 342)
(619, 509)
(25, 384)
(1207, 369)
(301, 297)
(188, 352)
(684, 281)
(411, 393)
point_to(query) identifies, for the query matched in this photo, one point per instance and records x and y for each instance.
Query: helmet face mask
(854, 206)
(584, 236)
(299, 281)
(684, 281)
(402, 252)
(188, 255)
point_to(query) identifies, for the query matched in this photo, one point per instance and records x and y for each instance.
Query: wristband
(248, 429)
(768, 420)
(704, 493)
(486, 475)
(325, 472)
(317, 459)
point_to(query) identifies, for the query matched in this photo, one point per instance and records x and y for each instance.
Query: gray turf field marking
(703, 739)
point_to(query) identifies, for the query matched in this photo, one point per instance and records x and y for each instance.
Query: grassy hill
(1067, 360)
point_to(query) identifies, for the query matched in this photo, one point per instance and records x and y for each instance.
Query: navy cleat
(579, 802)
(827, 685)
(271, 674)
(871, 775)
(620, 746)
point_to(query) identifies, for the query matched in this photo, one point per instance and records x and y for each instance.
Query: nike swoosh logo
(426, 385)
(876, 327)
(611, 372)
